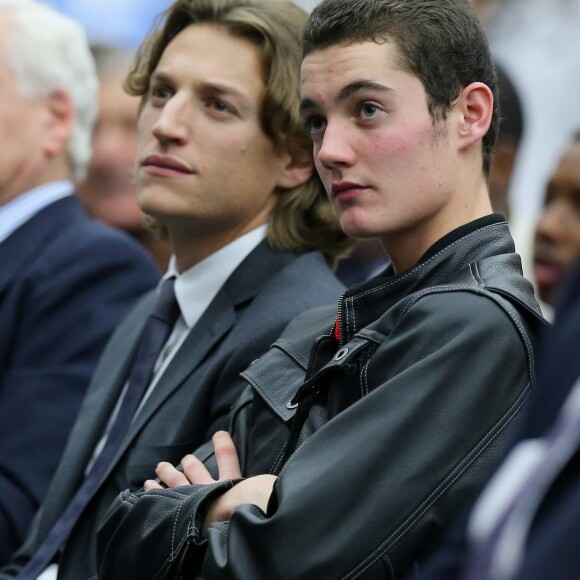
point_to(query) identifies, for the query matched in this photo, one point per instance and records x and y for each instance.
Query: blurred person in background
(557, 234)
(65, 280)
(108, 192)
(505, 155)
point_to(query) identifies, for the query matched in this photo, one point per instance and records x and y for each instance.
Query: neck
(406, 248)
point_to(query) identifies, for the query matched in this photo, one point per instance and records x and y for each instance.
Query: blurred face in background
(557, 237)
(109, 190)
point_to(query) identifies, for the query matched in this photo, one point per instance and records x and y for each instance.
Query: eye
(159, 94)
(220, 106)
(316, 124)
(368, 110)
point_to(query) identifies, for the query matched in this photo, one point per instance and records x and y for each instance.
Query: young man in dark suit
(224, 168)
(65, 281)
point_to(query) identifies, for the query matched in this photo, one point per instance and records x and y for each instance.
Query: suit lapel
(100, 402)
(101, 398)
(19, 250)
(221, 315)
(214, 324)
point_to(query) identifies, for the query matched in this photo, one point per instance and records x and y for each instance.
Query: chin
(355, 229)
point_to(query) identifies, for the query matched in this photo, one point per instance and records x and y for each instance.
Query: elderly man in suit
(224, 167)
(65, 281)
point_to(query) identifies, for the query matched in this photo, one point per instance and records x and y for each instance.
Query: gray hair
(49, 52)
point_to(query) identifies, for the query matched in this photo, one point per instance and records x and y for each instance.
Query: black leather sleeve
(366, 494)
(183, 509)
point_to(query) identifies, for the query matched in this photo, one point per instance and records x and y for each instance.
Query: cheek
(392, 151)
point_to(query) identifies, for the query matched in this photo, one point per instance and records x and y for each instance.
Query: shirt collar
(196, 287)
(25, 206)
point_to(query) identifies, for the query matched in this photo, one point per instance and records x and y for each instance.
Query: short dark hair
(441, 42)
(303, 218)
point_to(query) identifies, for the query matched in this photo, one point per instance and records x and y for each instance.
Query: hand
(194, 471)
(254, 490)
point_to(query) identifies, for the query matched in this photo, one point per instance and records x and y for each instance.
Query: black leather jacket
(399, 423)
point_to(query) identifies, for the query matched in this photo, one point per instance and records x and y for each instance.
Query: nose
(335, 148)
(172, 125)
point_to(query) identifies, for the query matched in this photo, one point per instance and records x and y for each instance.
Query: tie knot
(166, 308)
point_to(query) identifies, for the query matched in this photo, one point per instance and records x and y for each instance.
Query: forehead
(326, 72)
(209, 51)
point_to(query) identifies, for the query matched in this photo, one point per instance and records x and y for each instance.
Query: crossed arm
(365, 492)
(254, 490)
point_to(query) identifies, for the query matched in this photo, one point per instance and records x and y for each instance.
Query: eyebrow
(345, 93)
(358, 87)
(209, 88)
(219, 88)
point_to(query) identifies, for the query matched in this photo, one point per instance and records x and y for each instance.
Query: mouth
(165, 166)
(347, 190)
(547, 271)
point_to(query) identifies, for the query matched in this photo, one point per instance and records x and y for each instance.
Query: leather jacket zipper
(336, 330)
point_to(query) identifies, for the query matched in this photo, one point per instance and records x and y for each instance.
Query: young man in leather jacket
(362, 432)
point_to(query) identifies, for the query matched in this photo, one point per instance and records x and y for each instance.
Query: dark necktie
(155, 334)
(511, 530)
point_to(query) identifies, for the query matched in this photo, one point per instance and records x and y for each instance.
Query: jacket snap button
(341, 353)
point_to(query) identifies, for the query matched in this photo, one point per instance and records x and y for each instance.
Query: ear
(295, 172)
(60, 117)
(475, 106)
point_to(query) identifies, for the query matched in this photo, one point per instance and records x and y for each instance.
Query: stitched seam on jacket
(510, 311)
(279, 458)
(419, 267)
(364, 376)
(265, 396)
(447, 482)
(292, 351)
(509, 308)
(353, 318)
(172, 557)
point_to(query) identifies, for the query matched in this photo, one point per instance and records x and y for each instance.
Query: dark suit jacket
(192, 398)
(552, 549)
(65, 283)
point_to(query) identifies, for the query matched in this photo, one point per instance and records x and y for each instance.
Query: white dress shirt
(22, 208)
(196, 288)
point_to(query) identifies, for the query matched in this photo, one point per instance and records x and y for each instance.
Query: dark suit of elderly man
(65, 281)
